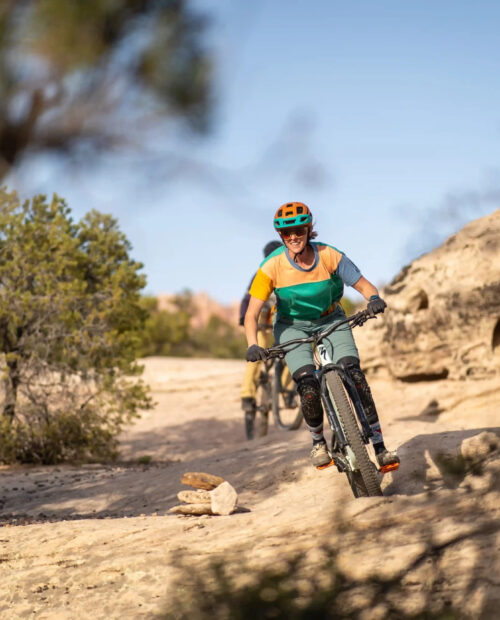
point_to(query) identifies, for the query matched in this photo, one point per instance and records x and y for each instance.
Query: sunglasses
(300, 231)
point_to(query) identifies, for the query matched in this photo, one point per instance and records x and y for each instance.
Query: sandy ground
(97, 541)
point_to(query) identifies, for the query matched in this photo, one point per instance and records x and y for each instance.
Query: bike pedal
(320, 467)
(391, 467)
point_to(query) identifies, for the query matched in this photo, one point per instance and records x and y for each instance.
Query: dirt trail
(96, 541)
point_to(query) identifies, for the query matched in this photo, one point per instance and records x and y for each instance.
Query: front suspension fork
(366, 430)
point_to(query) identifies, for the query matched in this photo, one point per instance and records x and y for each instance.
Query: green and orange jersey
(305, 294)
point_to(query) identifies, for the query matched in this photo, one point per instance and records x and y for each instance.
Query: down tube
(331, 414)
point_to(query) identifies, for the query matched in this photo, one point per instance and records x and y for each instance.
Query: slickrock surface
(97, 541)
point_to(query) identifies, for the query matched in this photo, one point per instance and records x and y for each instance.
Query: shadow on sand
(421, 452)
(131, 488)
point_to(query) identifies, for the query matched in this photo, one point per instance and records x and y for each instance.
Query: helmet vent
(292, 214)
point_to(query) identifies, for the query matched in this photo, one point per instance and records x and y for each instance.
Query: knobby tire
(364, 482)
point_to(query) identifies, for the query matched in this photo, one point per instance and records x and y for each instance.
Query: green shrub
(171, 332)
(219, 339)
(290, 589)
(70, 321)
(164, 333)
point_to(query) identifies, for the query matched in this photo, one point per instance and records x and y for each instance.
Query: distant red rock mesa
(204, 307)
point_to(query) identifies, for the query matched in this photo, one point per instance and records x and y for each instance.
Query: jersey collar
(298, 267)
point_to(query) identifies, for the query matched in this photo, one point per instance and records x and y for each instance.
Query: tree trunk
(11, 383)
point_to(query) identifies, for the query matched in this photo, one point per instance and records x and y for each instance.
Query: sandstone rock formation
(214, 496)
(444, 312)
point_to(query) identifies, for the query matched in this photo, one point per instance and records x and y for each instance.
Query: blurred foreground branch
(97, 74)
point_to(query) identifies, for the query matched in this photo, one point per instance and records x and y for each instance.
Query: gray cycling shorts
(339, 343)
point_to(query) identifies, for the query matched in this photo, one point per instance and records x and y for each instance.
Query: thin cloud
(456, 209)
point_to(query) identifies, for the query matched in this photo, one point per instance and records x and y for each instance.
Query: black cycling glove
(255, 353)
(376, 305)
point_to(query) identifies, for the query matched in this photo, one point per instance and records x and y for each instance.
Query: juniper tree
(69, 324)
(165, 332)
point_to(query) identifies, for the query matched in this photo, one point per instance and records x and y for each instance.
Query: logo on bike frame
(323, 353)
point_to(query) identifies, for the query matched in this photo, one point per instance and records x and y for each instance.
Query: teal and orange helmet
(292, 214)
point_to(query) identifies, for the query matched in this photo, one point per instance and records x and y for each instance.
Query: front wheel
(363, 477)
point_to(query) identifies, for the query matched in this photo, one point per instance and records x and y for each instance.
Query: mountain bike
(276, 393)
(351, 431)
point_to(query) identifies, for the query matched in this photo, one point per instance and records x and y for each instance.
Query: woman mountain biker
(264, 339)
(308, 279)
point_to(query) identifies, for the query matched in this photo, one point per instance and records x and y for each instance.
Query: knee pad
(362, 387)
(310, 399)
(248, 404)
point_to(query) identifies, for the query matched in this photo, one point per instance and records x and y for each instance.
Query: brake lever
(270, 353)
(361, 320)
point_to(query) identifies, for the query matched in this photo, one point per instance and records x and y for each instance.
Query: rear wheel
(285, 400)
(363, 479)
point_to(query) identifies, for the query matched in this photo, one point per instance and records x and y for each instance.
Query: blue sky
(383, 116)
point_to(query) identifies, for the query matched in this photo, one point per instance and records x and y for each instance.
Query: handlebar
(279, 350)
